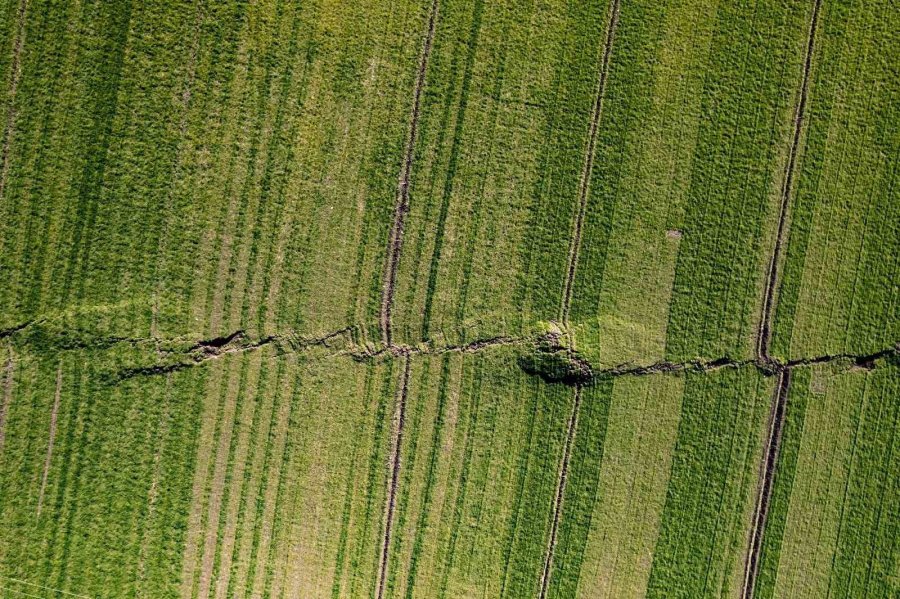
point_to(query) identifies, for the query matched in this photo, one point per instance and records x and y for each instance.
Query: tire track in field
(401, 207)
(7, 395)
(53, 417)
(560, 493)
(396, 446)
(765, 324)
(585, 184)
(15, 75)
(763, 339)
(574, 247)
(767, 476)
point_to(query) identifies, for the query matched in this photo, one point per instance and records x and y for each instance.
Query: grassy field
(439, 299)
(660, 487)
(834, 523)
(840, 292)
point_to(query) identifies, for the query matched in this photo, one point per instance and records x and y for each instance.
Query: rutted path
(585, 184)
(560, 492)
(764, 336)
(395, 241)
(767, 475)
(391, 500)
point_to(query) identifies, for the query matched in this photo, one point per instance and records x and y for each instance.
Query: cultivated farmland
(445, 298)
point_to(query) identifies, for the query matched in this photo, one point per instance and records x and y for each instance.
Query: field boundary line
(765, 484)
(764, 334)
(53, 418)
(560, 494)
(40, 586)
(401, 207)
(20, 593)
(391, 500)
(585, 182)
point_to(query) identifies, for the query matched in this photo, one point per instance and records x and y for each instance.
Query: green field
(445, 299)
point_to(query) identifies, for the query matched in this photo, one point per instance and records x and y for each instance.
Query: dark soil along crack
(765, 324)
(177, 353)
(767, 476)
(395, 241)
(391, 502)
(585, 184)
(560, 494)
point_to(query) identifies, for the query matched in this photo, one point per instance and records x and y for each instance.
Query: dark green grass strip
(258, 496)
(767, 477)
(746, 86)
(89, 186)
(6, 394)
(15, 73)
(261, 426)
(560, 492)
(73, 443)
(873, 310)
(220, 37)
(282, 497)
(581, 491)
(530, 520)
(640, 31)
(167, 528)
(585, 184)
(475, 225)
(373, 518)
(279, 186)
(472, 48)
(409, 455)
(553, 197)
(422, 523)
(474, 395)
(51, 41)
(247, 401)
(343, 535)
(710, 483)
